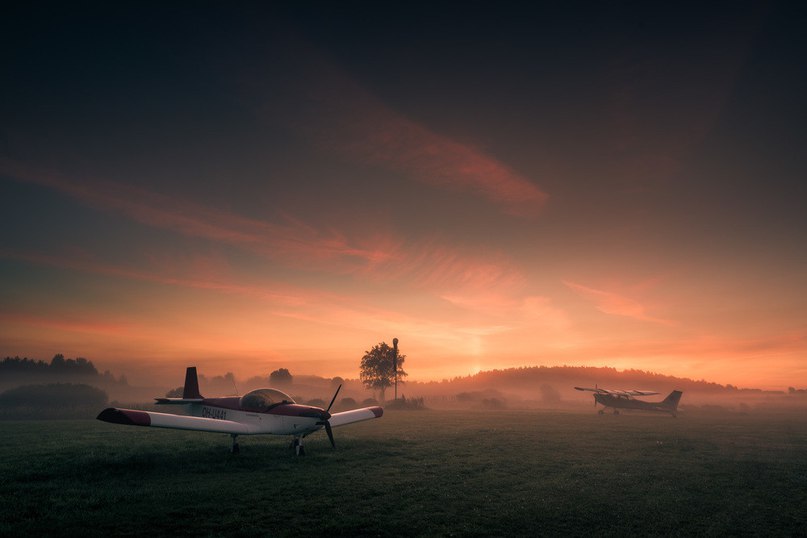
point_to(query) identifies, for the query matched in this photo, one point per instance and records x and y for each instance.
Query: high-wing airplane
(624, 399)
(261, 411)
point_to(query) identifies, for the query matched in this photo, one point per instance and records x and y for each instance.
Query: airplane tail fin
(672, 400)
(191, 390)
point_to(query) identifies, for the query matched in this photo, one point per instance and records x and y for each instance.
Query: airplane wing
(355, 415)
(617, 392)
(178, 422)
(601, 391)
(640, 392)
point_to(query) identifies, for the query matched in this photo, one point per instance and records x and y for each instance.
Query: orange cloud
(347, 119)
(614, 303)
(295, 244)
(89, 326)
(291, 241)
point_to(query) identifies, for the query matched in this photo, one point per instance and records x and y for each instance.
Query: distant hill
(529, 377)
(553, 387)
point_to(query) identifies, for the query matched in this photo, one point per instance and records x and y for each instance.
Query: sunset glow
(244, 195)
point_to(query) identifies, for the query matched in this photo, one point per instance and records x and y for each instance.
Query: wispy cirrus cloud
(347, 119)
(294, 243)
(85, 325)
(614, 303)
(485, 285)
(291, 240)
(312, 304)
(88, 265)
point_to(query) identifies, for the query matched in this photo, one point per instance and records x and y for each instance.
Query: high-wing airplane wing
(596, 389)
(635, 392)
(617, 392)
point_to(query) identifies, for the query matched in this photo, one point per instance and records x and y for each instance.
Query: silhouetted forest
(58, 366)
(54, 400)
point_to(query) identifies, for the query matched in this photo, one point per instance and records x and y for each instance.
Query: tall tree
(281, 376)
(377, 370)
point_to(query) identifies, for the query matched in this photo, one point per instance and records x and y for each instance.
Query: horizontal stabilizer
(178, 401)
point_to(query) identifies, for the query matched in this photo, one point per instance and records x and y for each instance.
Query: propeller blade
(329, 431)
(333, 400)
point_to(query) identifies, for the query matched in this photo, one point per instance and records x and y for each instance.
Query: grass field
(427, 473)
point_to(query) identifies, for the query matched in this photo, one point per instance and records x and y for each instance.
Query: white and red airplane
(261, 411)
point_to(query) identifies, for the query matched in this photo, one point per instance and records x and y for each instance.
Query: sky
(249, 186)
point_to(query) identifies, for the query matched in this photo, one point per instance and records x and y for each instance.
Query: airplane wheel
(236, 449)
(301, 452)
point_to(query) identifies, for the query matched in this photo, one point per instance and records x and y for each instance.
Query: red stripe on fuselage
(224, 403)
(296, 410)
(289, 410)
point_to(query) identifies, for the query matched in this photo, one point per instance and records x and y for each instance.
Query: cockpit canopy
(260, 400)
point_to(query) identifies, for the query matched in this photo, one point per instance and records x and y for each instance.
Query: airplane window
(261, 400)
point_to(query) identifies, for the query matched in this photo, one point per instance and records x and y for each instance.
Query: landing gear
(235, 448)
(297, 445)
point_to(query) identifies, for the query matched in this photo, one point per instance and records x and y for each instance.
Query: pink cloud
(378, 256)
(292, 241)
(61, 323)
(349, 120)
(614, 304)
(486, 283)
(279, 295)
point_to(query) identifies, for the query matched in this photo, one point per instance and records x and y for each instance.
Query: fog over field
(549, 388)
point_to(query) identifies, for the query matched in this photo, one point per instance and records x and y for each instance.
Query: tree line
(57, 365)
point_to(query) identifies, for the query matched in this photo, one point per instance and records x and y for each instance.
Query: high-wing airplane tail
(672, 400)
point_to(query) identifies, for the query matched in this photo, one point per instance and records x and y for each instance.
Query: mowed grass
(423, 473)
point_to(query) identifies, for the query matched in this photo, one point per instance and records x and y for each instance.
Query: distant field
(443, 473)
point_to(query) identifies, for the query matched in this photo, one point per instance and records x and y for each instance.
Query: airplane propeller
(327, 415)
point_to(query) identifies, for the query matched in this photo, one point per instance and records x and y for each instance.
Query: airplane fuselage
(284, 419)
(624, 402)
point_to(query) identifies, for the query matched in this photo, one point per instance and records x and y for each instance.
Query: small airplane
(261, 411)
(624, 399)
